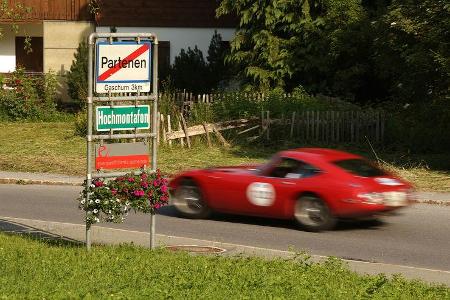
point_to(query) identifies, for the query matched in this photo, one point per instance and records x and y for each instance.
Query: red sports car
(313, 186)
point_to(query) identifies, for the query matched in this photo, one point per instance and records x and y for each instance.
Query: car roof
(322, 154)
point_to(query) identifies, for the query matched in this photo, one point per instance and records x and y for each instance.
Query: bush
(81, 123)
(419, 127)
(31, 97)
(77, 77)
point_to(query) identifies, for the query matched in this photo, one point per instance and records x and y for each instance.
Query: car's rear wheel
(313, 214)
(189, 202)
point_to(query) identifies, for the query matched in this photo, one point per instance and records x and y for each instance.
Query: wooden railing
(307, 126)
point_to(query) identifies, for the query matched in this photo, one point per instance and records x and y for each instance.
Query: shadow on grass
(14, 228)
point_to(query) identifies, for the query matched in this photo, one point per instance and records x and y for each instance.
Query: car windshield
(359, 167)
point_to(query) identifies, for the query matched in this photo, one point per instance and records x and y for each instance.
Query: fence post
(169, 129)
(181, 128)
(317, 125)
(158, 126)
(164, 136)
(208, 139)
(185, 129)
(292, 125)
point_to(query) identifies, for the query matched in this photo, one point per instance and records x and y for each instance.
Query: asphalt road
(418, 237)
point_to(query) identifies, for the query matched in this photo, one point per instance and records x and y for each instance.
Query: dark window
(359, 167)
(292, 168)
(163, 59)
(30, 59)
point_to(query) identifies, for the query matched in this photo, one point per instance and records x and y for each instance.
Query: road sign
(123, 67)
(121, 156)
(122, 117)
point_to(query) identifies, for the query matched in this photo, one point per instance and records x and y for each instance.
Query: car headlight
(371, 198)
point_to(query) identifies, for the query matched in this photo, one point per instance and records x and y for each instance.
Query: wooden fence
(310, 126)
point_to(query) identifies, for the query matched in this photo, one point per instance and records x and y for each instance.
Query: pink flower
(164, 198)
(144, 184)
(164, 188)
(139, 193)
(156, 183)
(98, 183)
(113, 191)
(131, 179)
(157, 206)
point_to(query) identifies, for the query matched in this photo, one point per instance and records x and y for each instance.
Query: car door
(285, 180)
(261, 192)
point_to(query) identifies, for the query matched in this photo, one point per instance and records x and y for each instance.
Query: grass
(34, 269)
(53, 148)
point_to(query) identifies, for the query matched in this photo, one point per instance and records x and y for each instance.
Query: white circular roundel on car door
(261, 194)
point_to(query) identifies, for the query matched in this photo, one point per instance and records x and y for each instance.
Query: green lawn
(32, 269)
(52, 147)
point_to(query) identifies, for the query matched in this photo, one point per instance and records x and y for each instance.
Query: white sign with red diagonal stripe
(123, 67)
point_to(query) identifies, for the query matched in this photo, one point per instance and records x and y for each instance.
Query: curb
(34, 181)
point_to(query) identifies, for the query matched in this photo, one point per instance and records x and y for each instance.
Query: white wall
(179, 38)
(8, 43)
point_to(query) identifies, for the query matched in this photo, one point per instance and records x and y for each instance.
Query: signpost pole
(155, 132)
(89, 134)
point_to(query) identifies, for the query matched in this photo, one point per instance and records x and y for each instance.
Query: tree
(78, 75)
(283, 39)
(14, 14)
(412, 51)
(189, 71)
(219, 70)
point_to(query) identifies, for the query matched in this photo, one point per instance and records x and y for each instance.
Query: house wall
(61, 40)
(179, 38)
(8, 45)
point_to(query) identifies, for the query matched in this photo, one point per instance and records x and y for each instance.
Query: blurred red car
(313, 186)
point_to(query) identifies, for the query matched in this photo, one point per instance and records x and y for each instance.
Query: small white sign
(123, 67)
(261, 194)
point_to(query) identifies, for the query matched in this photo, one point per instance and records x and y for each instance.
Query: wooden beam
(185, 129)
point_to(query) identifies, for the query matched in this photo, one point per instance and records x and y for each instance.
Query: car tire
(313, 214)
(189, 202)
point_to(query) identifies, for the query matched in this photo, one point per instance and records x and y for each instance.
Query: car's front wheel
(313, 214)
(189, 202)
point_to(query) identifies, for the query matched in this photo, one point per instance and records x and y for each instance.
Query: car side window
(292, 168)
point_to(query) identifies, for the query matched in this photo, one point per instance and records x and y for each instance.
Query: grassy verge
(33, 269)
(52, 147)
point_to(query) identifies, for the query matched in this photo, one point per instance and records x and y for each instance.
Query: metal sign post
(129, 68)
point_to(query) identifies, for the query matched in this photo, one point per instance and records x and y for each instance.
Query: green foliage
(31, 97)
(231, 106)
(219, 71)
(422, 127)
(14, 13)
(369, 50)
(413, 50)
(33, 270)
(77, 76)
(80, 123)
(190, 71)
